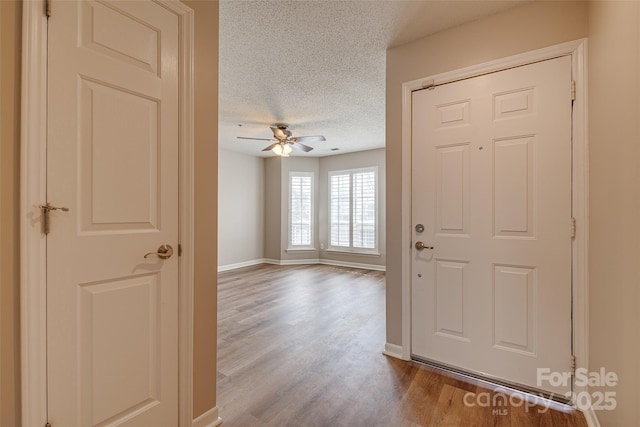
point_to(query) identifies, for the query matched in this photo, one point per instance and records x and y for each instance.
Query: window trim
(311, 246)
(375, 251)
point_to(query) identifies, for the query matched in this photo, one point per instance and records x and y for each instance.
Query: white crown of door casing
(33, 193)
(578, 51)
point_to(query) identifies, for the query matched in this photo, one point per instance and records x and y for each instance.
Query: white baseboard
(249, 263)
(353, 265)
(393, 350)
(208, 419)
(290, 261)
(321, 261)
(591, 418)
(299, 261)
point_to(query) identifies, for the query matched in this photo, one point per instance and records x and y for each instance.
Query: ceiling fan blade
(308, 138)
(302, 147)
(257, 139)
(280, 133)
(270, 147)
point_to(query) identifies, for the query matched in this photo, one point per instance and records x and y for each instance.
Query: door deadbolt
(419, 228)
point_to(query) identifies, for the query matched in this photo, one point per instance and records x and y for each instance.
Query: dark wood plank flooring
(301, 346)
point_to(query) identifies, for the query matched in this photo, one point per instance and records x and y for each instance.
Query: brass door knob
(420, 246)
(164, 252)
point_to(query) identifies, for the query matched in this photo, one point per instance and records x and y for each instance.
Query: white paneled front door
(112, 314)
(491, 180)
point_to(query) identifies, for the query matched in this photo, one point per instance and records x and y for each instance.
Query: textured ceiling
(319, 66)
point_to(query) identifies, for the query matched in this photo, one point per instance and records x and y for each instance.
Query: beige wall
(272, 207)
(240, 208)
(276, 180)
(276, 183)
(613, 29)
(206, 204)
(614, 174)
(517, 30)
(10, 51)
(360, 159)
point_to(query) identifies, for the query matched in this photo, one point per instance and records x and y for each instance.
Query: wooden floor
(302, 346)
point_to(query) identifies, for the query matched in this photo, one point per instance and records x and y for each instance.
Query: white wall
(240, 208)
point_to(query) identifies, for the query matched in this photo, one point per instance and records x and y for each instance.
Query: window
(300, 210)
(353, 209)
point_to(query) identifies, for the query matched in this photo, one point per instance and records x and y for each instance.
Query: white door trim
(33, 192)
(578, 51)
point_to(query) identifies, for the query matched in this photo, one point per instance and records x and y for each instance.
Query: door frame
(33, 255)
(580, 183)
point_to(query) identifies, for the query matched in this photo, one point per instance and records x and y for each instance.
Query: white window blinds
(340, 210)
(353, 209)
(364, 210)
(300, 209)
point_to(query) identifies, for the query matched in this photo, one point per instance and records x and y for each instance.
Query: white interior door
(112, 315)
(491, 180)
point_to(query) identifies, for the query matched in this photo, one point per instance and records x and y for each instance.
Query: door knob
(164, 252)
(420, 246)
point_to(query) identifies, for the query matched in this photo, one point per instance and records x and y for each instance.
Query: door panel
(513, 187)
(119, 352)
(114, 121)
(452, 193)
(112, 154)
(450, 291)
(491, 180)
(514, 290)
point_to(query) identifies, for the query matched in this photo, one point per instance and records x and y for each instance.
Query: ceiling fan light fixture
(283, 142)
(282, 149)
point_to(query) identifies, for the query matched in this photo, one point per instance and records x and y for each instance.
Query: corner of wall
(206, 204)
(10, 104)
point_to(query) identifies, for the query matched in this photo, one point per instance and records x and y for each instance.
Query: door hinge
(179, 249)
(47, 8)
(573, 227)
(573, 364)
(573, 90)
(47, 425)
(429, 84)
(46, 210)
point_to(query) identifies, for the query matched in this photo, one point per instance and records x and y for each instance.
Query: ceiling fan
(283, 142)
